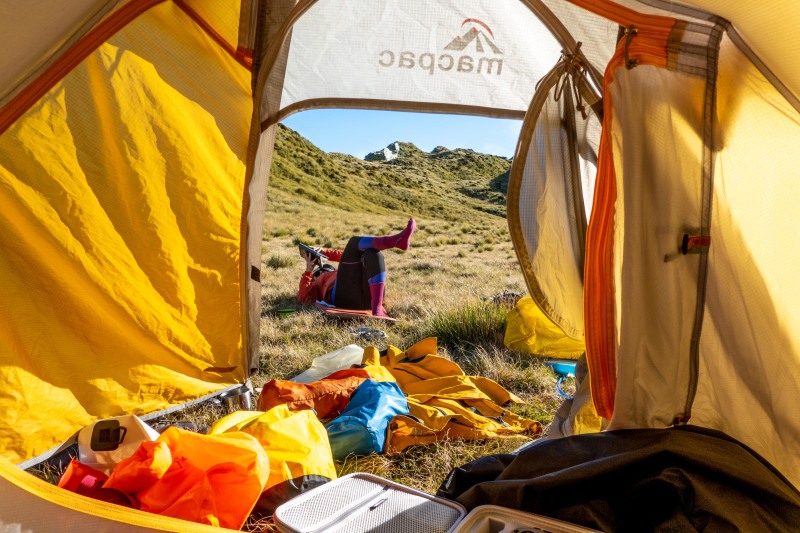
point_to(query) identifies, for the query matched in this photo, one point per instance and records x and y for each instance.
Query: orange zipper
(647, 47)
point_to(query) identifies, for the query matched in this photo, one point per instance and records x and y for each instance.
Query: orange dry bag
(210, 479)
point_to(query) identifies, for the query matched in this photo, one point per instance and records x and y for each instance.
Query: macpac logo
(472, 51)
(474, 35)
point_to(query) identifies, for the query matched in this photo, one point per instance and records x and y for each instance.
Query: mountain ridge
(450, 184)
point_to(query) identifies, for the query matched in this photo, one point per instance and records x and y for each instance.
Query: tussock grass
(280, 261)
(474, 323)
(425, 266)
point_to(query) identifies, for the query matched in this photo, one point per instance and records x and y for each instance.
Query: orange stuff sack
(87, 481)
(146, 466)
(326, 396)
(209, 479)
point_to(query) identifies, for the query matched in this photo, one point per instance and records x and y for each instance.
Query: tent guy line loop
(575, 69)
(630, 32)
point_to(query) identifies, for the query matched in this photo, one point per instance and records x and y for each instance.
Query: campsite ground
(442, 286)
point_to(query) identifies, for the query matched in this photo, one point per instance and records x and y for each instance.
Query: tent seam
(710, 109)
(85, 46)
(390, 105)
(242, 56)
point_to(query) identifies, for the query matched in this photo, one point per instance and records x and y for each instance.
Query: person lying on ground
(360, 281)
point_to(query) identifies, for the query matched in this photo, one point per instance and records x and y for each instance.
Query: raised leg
(400, 240)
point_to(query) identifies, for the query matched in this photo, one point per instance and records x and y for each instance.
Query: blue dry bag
(361, 427)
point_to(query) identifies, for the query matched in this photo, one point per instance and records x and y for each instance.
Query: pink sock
(376, 291)
(404, 237)
(400, 240)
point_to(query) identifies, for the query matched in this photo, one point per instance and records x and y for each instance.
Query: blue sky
(358, 132)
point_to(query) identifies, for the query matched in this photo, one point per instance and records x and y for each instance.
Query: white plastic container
(496, 519)
(331, 362)
(106, 442)
(361, 503)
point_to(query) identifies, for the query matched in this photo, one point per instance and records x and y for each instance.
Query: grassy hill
(453, 185)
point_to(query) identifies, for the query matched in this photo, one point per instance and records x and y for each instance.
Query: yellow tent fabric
(529, 330)
(120, 265)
